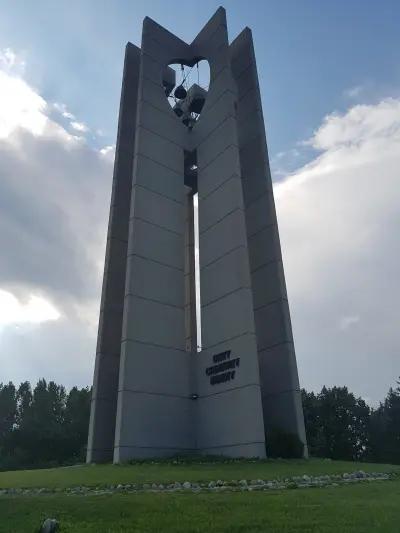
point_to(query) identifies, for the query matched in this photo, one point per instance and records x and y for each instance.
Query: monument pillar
(155, 394)
(107, 366)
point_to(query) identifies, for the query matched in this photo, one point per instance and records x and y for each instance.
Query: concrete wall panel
(155, 369)
(285, 411)
(221, 84)
(255, 172)
(269, 284)
(250, 450)
(222, 201)
(156, 243)
(159, 178)
(260, 213)
(155, 421)
(271, 310)
(111, 325)
(219, 140)
(154, 323)
(160, 150)
(273, 324)
(105, 382)
(212, 118)
(225, 275)
(106, 372)
(263, 247)
(148, 279)
(227, 317)
(100, 448)
(250, 128)
(236, 420)
(274, 365)
(163, 123)
(157, 209)
(218, 240)
(218, 171)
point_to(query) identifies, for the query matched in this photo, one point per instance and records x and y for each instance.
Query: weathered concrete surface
(154, 395)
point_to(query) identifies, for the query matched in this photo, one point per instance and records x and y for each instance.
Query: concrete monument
(154, 392)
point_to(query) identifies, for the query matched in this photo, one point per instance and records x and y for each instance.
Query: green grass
(362, 508)
(166, 472)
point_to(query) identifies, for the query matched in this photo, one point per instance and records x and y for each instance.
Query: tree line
(48, 426)
(43, 426)
(341, 426)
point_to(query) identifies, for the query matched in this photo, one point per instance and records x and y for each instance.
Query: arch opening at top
(186, 83)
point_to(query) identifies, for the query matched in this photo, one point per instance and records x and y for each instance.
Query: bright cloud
(20, 106)
(34, 311)
(62, 109)
(362, 124)
(79, 126)
(10, 62)
(339, 218)
(108, 152)
(8, 59)
(54, 191)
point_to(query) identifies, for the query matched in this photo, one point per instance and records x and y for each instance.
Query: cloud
(35, 310)
(62, 109)
(286, 162)
(20, 106)
(76, 125)
(79, 126)
(339, 220)
(108, 152)
(362, 124)
(54, 191)
(10, 62)
(346, 322)
(353, 92)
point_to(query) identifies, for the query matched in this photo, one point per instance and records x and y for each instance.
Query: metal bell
(180, 92)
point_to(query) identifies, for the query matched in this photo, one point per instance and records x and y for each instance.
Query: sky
(330, 83)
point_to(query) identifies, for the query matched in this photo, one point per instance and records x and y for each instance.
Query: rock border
(296, 482)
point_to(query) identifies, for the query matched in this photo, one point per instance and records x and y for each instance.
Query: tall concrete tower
(154, 392)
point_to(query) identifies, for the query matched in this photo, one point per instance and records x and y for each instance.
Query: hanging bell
(196, 105)
(188, 121)
(178, 109)
(180, 92)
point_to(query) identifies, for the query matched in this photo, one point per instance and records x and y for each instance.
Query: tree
(76, 421)
(385, 429)
(24, 400)
(46, 426)
(337, 424)
(8, 409)
(312, 422)
(41, 426)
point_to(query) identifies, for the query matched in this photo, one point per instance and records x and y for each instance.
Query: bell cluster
(188, 103)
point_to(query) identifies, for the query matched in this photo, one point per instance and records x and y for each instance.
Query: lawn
(358, 508)
(363, 508)
(167, 472)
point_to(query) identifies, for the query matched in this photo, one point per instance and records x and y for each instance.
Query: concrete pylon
(154, 393)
